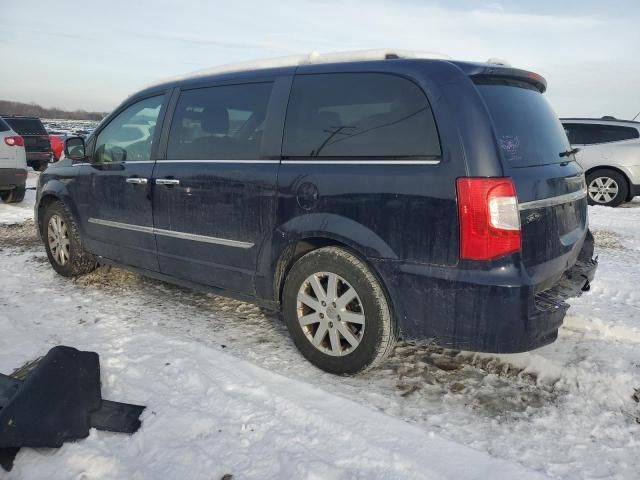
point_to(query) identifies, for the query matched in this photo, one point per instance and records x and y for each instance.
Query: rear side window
(588, 133)
(26, 126)
(3, 126)
(359, 115)
(217, 123)
(528, 131)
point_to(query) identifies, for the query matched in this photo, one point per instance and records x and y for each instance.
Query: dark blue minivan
(369, 200)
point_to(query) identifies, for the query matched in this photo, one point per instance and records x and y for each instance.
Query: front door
(214, 193)
(114, 186)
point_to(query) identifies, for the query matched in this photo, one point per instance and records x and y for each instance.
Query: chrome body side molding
(171, 233)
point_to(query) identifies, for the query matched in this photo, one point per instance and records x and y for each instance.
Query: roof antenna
(635, 116)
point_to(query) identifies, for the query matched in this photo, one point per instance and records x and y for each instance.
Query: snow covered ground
(227, 393)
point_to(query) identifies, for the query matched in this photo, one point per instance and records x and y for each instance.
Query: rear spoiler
(485, 71)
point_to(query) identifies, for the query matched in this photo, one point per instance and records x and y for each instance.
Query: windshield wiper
(568, 153)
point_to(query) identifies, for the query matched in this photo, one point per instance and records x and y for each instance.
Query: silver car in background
(610, 155)
(13, 165)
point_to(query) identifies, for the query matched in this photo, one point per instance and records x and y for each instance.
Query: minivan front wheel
(336, 312)
(606, 187)
(63, 244)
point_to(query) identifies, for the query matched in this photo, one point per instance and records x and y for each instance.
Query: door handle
(167, 181)
(137, 180)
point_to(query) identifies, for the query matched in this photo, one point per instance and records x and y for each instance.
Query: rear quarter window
(3, 126)
(528, 131)
(590, 133)
(26, 126)
(359, 115)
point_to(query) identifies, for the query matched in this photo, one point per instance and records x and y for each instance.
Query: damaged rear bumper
(496, 311)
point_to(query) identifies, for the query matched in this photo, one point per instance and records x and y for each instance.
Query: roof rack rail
(606, 118)
(313, 58)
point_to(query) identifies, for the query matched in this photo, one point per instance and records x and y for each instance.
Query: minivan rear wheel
(336, 312)
(63, 243)
(606, 187)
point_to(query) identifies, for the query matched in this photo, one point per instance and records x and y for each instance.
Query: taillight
(15, 141)
(489, 218)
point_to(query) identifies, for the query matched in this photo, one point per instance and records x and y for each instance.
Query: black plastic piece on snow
(60, 400)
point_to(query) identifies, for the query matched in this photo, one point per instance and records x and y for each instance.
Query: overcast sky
(91, 54)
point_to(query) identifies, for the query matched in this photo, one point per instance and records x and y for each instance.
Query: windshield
(527, 129)
(26, 126)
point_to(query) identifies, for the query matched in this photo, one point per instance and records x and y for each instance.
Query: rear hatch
(550, 184)
(35, 136)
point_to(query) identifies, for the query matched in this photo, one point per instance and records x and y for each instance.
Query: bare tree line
(33, 110)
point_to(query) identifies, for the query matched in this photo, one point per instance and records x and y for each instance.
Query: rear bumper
(38, 157)
(11, 178)
(484, 311)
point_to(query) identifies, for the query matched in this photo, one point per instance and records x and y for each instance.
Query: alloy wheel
(330, 313)
(58, 238)
(603, 189)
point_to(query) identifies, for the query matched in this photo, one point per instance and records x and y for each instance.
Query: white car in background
(610, 155)
(13, 165)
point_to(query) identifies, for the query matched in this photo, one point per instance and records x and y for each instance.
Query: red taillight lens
(489, 218)
(15, 141)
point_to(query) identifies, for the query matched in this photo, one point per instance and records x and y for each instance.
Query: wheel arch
(296, 249)
(53, 191)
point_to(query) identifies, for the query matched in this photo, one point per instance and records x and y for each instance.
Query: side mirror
(74, 148)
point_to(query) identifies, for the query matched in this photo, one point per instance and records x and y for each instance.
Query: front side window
(129, 136)
(359, 115)
(219, 123)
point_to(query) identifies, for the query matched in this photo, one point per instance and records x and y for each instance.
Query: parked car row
(367, 198)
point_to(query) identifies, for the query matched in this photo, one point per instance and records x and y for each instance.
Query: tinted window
(26, 126)
(217, 123)
(588, 133)
(3, 126)
(129, 136)
(359, 115)
(575, 133)
(528, 131)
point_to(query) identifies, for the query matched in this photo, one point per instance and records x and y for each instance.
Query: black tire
(79, 262)
(14, 196)
(40, 166)
(377, 337)
(596, 197)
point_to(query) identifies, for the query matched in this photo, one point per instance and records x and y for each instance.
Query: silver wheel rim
(330, 314)
(603, 189)
(58, 238)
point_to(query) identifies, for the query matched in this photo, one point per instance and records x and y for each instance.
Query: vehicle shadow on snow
(416, 372)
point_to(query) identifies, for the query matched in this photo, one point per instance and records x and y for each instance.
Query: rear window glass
(3, 126)
(528, 131)
(359, 115)
(588, 134)
(27, 126)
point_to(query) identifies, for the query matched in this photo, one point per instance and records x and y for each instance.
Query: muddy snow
(228, 394)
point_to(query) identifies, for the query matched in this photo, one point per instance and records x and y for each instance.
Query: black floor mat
(58, 401)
